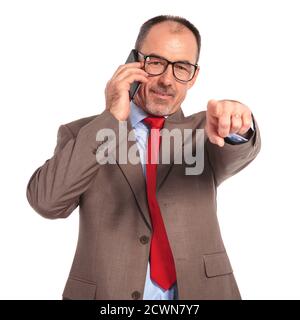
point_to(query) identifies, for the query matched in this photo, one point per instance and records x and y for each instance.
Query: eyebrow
(158, 56)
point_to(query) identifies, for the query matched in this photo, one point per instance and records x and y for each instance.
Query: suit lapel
(174, 121)
(133, 173)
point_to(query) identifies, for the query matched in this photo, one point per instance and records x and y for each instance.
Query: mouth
(161, 95)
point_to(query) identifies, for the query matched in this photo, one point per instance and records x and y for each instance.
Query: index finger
(214, 108)
(128, 65)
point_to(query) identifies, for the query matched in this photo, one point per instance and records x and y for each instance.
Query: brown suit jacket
(115, 227)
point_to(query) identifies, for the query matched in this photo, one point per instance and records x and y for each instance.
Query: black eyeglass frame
(169, 62)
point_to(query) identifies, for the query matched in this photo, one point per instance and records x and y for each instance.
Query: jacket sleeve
(231, 158)
(54, 189)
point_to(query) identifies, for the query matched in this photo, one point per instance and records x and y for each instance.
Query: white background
(55, 59)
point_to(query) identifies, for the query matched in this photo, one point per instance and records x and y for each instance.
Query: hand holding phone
(123, 86)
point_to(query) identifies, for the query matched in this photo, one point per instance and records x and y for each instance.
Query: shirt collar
(136, 114)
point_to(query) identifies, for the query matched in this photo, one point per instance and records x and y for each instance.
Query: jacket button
(144, 239)
(136, 295)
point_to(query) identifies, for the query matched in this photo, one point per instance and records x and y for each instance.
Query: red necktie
(162, 266)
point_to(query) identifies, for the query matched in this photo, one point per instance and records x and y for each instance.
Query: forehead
(172, 41)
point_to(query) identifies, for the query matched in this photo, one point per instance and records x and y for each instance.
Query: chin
(159, 109)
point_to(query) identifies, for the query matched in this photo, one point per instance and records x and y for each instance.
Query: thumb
(213, 136)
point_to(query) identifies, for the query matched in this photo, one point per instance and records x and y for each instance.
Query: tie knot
(155, 122)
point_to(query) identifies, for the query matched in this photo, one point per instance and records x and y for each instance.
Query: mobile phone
(133, 57)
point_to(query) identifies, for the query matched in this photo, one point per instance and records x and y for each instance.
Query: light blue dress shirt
(152, 290)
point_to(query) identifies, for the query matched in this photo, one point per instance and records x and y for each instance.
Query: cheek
(181, 93)
(147, 86)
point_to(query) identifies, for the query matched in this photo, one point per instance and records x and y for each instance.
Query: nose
(167, 77)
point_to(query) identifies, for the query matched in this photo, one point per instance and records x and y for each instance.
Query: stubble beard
(159, 108)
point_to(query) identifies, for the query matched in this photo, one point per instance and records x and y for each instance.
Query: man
(148, 231)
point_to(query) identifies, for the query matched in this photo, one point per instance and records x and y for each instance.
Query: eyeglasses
(156, 65)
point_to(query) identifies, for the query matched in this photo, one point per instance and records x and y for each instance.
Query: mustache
(164, 90)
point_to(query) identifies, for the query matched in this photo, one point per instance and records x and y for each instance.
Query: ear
(191, 83)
